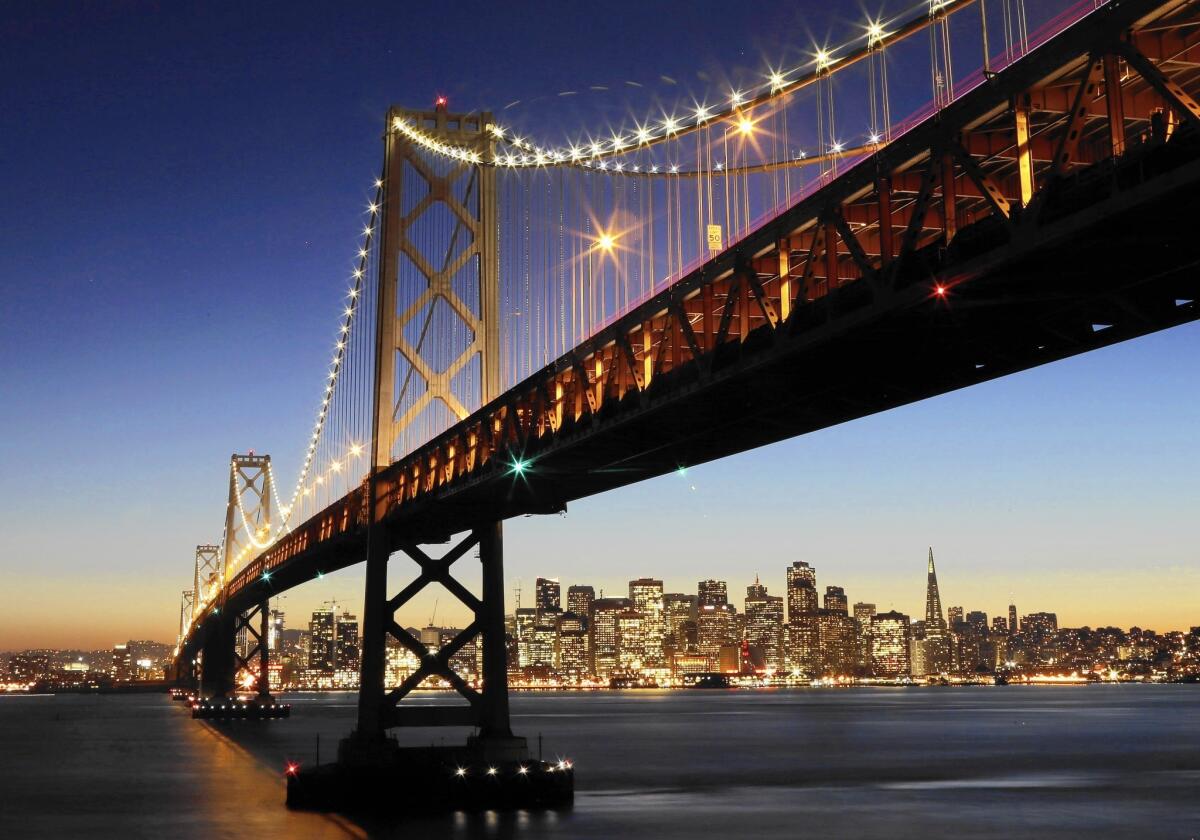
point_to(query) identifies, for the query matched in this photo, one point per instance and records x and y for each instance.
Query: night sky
(182, 188)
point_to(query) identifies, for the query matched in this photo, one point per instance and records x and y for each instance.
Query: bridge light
(681, 471)
(746, 125)
(523, 770)
(606, 242)
(777, 81)
(874, 33)
(519, 465)
(320, 576)
(836, 147)
(491, 771)
(356, 450)
(292, 768)
(701, 114)
(823, 59)
(874, 138)
(460, 772)
(670, 125)
(378, 183)
(266, 576)
(940, 290)
(736, 98)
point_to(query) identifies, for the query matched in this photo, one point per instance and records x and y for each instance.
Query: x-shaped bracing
(244, 663)
(436, 570)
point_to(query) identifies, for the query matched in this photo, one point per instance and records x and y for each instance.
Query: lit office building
(579, 601)
(712, 593)
(764, 625)
(678, 609)
(548, 594)
(835, 599)
(862, 629)
(799, 575)
(838, 642)
(604, 634)
(890, 637)
(1039, 627)
(322, 642)
(573, 647)
(525, 623)
(1013, 627)
(544, 646)
(939, 650)
(714, 628)
(646, 595)
(804, 632)
(631, 641)
(347, 643)
(954, 616)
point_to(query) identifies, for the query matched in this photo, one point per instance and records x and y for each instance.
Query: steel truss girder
(556, 410)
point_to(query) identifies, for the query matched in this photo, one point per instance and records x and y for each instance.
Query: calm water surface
(1095, 761)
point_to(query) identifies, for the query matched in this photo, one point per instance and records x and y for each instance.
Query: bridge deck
(832, 311)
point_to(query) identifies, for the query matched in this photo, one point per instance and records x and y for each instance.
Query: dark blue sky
(182, 187)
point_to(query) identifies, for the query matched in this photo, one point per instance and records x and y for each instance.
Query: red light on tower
(292, 768)
(440, 103)
(940, 290)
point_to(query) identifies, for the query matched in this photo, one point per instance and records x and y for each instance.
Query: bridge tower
(248, 529)
(452, 267)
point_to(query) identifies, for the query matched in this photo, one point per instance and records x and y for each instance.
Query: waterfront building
(938, 647)
(573, 648)
(712, 593)
(547, 594)
(526, 621)
(804, 632)
(646, 595)
(604, 632)
(347, 649)
(862, 629)
(631, 641)
(1039, 627)
(678, 609)
(837, 642)
(580, 600)
(714, 628)
(322, 642)
(543, 647)
(764, 625)
(835, 599)
(890, 640)
(799, 574)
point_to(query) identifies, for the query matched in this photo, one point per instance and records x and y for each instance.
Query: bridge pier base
(493, 768)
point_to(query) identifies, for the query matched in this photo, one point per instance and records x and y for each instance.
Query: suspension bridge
(531, 322)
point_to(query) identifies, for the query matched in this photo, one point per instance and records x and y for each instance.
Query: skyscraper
(764, 624)
(798, 574)
(889, 645)
(712, 593)
(835, 599)
(938, 652)
(579, 601)
(862, 627)
(322, 641)
(678, 609)
(346, 646)
(954, 616)
(714, 628)
(646, 594)
(1013, 627)
(604, 633)
(804, 632)
(547, 594)
(839, 651)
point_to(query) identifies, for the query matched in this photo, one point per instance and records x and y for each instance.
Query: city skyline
(452, 614)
